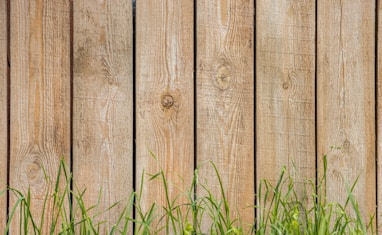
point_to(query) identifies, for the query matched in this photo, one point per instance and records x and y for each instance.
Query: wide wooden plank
(3, 112)
(103, 105)
(285, 91)
(164, 95)
(346, 99)
(225, 101)
(40, 99)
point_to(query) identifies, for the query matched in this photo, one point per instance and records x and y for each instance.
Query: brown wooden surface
(3, 112)
(285, 91)
(346, 98)
(164, 96)
(40, 98)
(225, 100)
(103, 104)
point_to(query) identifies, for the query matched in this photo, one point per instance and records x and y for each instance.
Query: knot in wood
(167, 101)
(346, 144)
(34, 170)
(223, 76)
(285, 85)
(32, 173)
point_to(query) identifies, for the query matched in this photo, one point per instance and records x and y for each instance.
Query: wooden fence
(250, 85)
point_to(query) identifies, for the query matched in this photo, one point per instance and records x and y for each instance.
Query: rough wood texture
(346, 98)
(3, 112)
(225, 100)
(164, 86)
(379, 116)
(40, 99)
(285, 91)
(103, 104)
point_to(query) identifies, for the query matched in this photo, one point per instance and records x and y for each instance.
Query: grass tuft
(280, 210)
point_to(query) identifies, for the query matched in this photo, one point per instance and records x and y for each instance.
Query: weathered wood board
(70, 71)
(346, 99)
(3, 112)
(164, 96)
(285, 92)
(40, 100)
(225, 101)
(103, 104)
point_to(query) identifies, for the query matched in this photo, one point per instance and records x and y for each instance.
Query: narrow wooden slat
(3, 112)
(379, 116)
(164, 95)
(285, 91)
(103, 104)
(225, 101)
(40, 99)
(346, 99)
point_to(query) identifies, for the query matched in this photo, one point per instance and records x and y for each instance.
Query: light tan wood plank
(285, 91)
(225, 101)
(103, 104)
(3, 112)
(164, 95)
(40, 99)
(346, 98)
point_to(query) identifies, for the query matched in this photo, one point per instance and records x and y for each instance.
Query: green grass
(282, 212)
(279, 210)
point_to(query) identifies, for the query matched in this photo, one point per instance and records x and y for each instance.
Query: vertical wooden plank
(103, 104)
(225, 100)
(164, 94)
(285, 91)
(379, 116)
(346, 98)
(40, 99)
(3, 112)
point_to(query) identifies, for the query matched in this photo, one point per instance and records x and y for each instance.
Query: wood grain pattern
(3, 112)
(40, 99)
(285, 91)
(346, 98)
(379, 117)
(225, 100)
(164, 95)
(103, 104)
